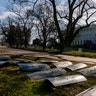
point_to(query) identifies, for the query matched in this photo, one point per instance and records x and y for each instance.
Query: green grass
(13, 83)
(83, 54)
(37, 58)
(88, 53)
(40, 49)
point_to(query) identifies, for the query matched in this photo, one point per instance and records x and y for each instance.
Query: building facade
(86, 36)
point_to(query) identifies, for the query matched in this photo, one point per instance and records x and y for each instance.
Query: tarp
(62, 64)
(33, 67)
(4, 58)
(46, 74)
(65, 80)
(77, 66)
(88, 92)
(88, 71)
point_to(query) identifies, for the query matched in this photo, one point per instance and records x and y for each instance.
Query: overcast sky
(4, 12)
(3, 4)
(3, 9)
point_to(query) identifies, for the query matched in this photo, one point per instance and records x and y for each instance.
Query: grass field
(16, 83)
(82, 54)
(3, 51)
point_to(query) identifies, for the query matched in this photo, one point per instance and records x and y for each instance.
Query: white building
(87, 34)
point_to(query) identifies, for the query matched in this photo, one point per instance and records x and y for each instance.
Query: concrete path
(44, 54)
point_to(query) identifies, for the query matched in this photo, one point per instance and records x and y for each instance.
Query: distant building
(86, 36)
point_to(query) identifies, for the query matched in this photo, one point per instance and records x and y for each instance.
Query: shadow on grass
(18, 84)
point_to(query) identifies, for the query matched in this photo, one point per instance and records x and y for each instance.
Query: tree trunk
(58, 27)
(44, 44)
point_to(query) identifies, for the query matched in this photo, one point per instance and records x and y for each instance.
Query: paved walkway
(44, 54)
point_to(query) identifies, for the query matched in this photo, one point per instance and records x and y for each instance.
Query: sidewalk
(78, 59)
(44, 54)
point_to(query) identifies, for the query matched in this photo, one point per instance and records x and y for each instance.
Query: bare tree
(24, 21)
(8, 30)
(45, 24)
(42, 13)
(12, 32)
(74, 11)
